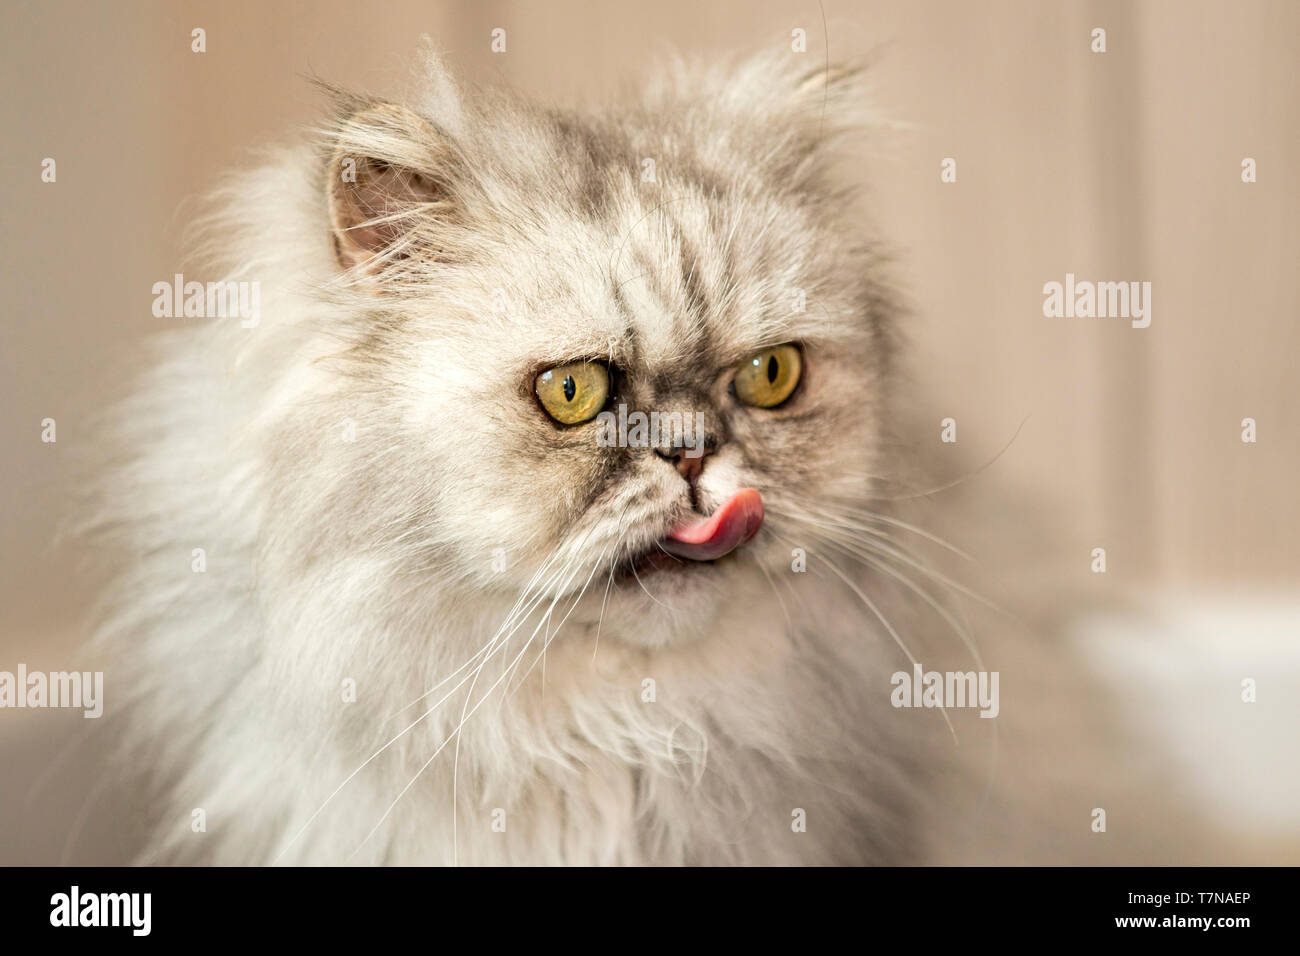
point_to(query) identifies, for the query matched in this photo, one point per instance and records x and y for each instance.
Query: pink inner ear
(381, 190)
(733, 524)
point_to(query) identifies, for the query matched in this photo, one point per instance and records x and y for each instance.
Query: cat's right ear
(395, 190)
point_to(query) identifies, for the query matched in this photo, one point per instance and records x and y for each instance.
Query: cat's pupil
(570, 388)
(772, 368)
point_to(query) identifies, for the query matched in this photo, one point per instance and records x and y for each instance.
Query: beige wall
(1116, 166)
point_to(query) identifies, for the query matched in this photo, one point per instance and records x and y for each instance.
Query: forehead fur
(701, 220)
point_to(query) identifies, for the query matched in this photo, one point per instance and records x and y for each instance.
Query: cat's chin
(657, 565)
(654, 562)
(657, 600)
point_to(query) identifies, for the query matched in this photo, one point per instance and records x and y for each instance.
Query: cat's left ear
(830, 104)
(833, 86)
(817, 116)
(397, 190)
(811, 113)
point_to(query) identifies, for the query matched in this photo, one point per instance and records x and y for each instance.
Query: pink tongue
(722, 532)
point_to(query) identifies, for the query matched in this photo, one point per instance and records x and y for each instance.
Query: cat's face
(555, 247)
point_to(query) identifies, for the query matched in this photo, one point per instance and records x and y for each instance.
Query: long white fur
(371, 560)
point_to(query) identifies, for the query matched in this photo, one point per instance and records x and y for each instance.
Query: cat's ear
(830, 86)
(799, 114)
(395, 188)
(830, 104)
(827, 113)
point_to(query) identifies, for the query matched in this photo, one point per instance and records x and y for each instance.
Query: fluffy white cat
(438, 621)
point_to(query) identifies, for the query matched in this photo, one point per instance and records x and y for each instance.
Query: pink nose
(688, 466)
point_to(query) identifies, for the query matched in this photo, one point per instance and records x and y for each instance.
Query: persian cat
(405, 577)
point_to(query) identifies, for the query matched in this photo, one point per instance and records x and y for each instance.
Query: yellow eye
(575, 392)
(770, 377)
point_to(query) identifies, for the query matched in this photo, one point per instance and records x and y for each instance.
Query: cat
(384, 598)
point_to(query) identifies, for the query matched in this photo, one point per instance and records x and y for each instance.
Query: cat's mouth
(702, 540)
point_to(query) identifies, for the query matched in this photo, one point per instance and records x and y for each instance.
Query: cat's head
(521, 282)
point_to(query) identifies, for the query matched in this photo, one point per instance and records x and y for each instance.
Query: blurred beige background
(1116, 166)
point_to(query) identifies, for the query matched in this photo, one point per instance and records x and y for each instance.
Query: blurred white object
(1179, 666)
